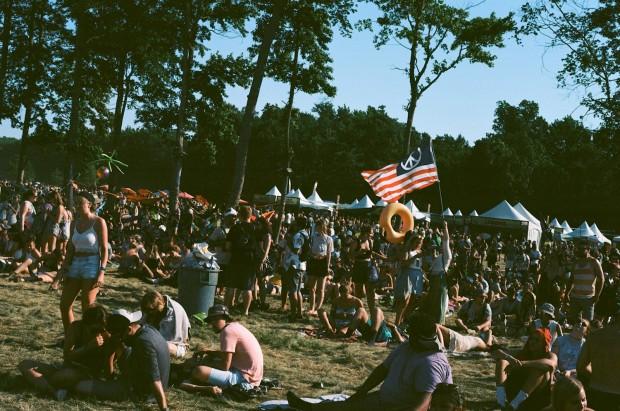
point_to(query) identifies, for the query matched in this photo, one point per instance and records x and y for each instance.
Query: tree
(301, 59)
(438, 37)
(590, 34)
(267, 26)
(7, 24)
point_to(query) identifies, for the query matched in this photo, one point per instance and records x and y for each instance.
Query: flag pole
(438, 179)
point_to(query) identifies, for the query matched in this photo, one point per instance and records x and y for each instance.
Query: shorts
(361, 271)
(409, 281)
(383, 335)
(293, 280)
(181, 350)
(317, 268)
(241, 277)
(227, 379)
(84, 268)
(462, 343)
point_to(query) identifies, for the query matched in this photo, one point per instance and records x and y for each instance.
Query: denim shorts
(84, 268)
(226, 379)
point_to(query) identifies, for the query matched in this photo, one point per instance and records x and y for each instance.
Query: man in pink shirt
(240, 358)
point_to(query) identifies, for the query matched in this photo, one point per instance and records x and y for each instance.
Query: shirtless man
(598, 365)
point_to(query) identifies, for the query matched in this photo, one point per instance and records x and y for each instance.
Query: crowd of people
(442, 290)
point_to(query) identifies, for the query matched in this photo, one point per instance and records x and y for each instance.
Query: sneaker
(61, 394)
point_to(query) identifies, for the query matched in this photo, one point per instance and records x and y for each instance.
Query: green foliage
(590, 35)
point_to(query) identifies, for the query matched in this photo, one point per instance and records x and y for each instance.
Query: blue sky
(461, 102)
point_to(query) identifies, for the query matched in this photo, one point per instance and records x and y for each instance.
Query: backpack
(245, 246)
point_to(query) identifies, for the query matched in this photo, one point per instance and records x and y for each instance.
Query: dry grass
(30, 326)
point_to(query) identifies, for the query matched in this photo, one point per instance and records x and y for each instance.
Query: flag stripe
(394, 180)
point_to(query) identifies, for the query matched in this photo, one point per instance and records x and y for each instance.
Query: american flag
(395, 180)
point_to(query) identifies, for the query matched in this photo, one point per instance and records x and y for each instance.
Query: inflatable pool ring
(385, 221)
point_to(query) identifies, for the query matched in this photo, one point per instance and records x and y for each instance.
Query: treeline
(558, 169)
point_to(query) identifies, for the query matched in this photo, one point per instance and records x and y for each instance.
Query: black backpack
(245, 246)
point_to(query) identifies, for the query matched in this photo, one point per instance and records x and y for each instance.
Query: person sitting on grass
(348, 315)
(144, 362)
(87, 354)
(567, 348)
(475, 317)
(410, 375)
(239, 361)
(524, 381)
(547, 320)
(27, 257)
(170, 318)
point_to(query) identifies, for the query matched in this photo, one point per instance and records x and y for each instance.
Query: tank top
(85, 242)
(584, 279)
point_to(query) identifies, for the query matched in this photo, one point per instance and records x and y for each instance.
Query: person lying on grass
(408, 376)
(348, 315)
(524, 380)
(87, 354)
(455, 342)
(239, 360)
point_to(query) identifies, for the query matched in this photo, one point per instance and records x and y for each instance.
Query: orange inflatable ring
(385, 221)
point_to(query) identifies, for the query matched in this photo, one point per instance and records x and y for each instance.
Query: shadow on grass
(481, 405)
(13, 383)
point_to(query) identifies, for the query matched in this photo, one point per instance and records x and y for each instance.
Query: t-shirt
(410, 372)
(149, 360)
(247, 354)
(568, 349)
(244, 243)
(473, 314)
(174, 326)
(322, 245)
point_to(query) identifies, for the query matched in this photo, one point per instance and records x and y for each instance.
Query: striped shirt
(584, 280)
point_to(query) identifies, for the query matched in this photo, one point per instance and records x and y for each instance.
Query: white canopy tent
(381, 203)
(534, 225)
(555, 224)
(415, 211)
(274, 192)
(566, 227)
(363, 203)
(317, 202)
(473, 214)
(447, 212)
(458, 213)
(600, 236)
(504, 211)
(303, 202)
(583, 231)
(617, 239)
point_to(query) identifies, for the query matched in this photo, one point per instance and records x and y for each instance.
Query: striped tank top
(584, 279)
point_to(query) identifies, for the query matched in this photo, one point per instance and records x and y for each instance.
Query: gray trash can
(197, 285)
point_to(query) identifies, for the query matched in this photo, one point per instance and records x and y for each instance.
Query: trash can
(197, 285)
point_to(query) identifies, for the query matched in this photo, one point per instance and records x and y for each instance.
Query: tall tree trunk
(76, 97)
(21, 166)
(187, 64)
(289, 151)
(119, 111)
(245, 130)
(4, 56)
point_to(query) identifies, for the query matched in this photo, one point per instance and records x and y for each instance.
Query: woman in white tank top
(86, 259)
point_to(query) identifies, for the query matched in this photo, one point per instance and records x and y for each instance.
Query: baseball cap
(217, 310)
(132, 317)
(548, 308)
(119, 320)
(230, 211)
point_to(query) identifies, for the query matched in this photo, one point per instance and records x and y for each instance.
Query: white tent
(303, 202)
(600, 236)
(583, 231)
(473, 214)
(381, 203)
(315, 201)
(555, 224)
(274, 192)
(523, 211)
(447, 213)
(566, 228)
(617, 239)
(504, 211)
(415, 211)
(364, 202)
(458, 213)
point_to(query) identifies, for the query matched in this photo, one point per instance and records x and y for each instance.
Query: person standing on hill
(586, 283)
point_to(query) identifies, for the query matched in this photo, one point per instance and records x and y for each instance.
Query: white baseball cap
(132, 317)
(230, 211)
